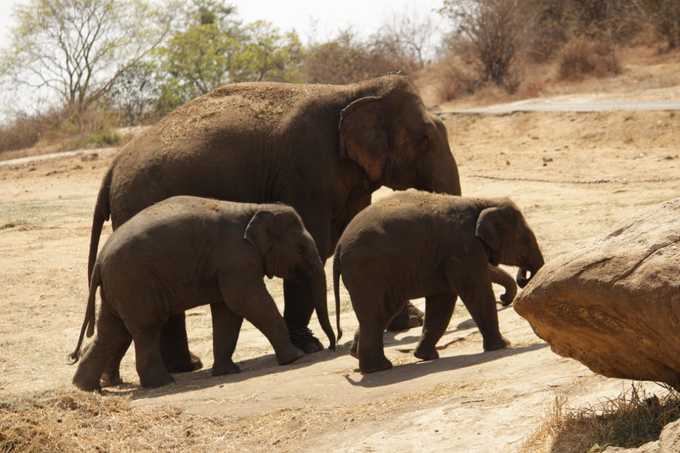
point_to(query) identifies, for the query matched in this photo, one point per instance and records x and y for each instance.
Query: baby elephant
(416, 244)
(189, 251)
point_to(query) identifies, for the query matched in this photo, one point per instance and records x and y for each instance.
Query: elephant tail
(88, 322)
(102, 212)
(336, 288)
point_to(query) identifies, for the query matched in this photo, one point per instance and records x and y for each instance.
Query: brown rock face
(615, 304)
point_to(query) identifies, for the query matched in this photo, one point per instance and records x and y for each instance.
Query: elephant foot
(304, 339)
(226, 367)
(156, 380)
(184, 365)
(426, 353)
(111, 379)
(288, 355)
(407, 318)
(373, 366)
(496, 344)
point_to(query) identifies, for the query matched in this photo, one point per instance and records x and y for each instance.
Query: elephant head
(396, 141)
(509, 240)
(287, 249)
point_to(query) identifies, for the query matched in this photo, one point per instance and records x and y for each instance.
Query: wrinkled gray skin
(189, 251)
(322, 149)
(417, 244)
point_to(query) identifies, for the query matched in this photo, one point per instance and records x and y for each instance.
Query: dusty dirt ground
(574, 175)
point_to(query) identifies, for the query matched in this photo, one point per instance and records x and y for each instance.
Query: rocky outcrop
(614, 305)
(669, 442)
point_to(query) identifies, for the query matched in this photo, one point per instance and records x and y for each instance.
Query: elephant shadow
(250, 369)
(410, 371)
(470, 323)
(392, 340)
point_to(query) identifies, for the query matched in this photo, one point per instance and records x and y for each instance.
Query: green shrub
(108, 137)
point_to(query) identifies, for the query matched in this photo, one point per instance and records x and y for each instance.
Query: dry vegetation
(629, 420)
(502, 51)
(499, 50)
(69, 421)
(582, 57)
(61, 131)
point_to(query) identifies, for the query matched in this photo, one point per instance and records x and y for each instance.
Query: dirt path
(574, 175)
(571, 103)
(57, 155)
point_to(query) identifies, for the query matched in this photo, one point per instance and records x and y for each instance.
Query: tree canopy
(77, 49)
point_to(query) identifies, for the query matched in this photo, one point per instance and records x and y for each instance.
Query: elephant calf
(417, 244)
(189, 251)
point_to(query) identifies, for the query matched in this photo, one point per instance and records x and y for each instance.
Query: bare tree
(77, 49)
(409, 35)
(495, 30)
(346, 59)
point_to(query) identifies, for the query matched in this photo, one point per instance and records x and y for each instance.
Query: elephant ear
(489, 230)
(363, 135)
(258, 232)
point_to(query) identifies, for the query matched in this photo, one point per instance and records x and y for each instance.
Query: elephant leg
(149, 361)
(111, 376)
(111, 336)
(372, 323)
(407, 318)
(481, 303)
(251, 300)
(371, 349)
(500, 277)
(438, 311)
(298, 309)
(175, 346)
(226, 328)
(354, 349)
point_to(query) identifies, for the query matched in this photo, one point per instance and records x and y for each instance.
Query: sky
(310, 18)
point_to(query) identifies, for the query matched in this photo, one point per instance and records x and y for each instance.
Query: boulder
(614, 304)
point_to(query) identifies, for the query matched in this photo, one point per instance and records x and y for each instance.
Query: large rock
(614, 305)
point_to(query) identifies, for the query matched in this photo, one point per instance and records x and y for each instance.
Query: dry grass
(69, 421)
(582, 57)
(453, 78)
(631, 419)
(60, 131)
(73, 421)
(25, 130)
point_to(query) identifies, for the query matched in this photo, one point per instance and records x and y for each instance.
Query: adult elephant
(322, 149)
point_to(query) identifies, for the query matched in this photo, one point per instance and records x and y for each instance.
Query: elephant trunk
(522, 278)
(535, 264)
(317, 278)
(438, 171)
